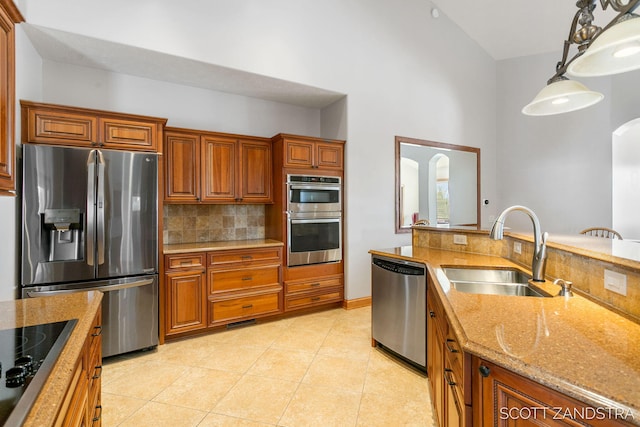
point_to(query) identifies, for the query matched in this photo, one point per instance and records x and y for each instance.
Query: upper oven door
(316, 197)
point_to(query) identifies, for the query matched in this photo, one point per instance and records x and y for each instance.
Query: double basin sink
(492, 281)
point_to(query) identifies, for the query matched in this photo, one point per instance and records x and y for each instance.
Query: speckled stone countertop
(34, 311)
(572, 345)
(179, 248)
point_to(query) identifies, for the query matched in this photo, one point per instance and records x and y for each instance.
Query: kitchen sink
(493, 281)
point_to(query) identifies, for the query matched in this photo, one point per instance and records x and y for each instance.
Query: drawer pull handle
(98, 331)
(451, 349)
(247, 306)
(448, 378)
(315, 284)
(97, 417)
(314, 299)
(247, 257)
(244, 279)
(98, 374)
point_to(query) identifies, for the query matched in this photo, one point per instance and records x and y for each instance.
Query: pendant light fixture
(612, 50)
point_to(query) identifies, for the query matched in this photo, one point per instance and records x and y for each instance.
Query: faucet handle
(565, 286)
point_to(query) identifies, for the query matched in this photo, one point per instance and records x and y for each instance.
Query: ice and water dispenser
(63, 234)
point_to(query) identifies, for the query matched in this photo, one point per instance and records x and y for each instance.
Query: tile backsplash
(208, 223)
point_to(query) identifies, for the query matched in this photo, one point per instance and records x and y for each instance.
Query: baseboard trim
(356, 303)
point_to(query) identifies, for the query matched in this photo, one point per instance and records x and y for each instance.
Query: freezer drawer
(129, 310)
(399, 307)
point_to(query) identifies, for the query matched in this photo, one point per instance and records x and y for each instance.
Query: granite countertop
(572, 345)
(178, 248)
(34, 311)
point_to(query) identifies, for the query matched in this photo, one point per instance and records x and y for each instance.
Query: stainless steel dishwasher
(399, 307)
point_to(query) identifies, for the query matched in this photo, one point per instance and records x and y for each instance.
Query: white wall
(559, 166)
(404, 72)
(28, 86)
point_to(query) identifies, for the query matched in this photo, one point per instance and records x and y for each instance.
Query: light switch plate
(460, 239)
(615, 282)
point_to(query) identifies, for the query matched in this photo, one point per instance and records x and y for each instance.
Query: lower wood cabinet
(310, 286)
(82, 404)
(503, 398)
(215, 288)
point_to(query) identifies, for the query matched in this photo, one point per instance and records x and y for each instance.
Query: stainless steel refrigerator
(90, 223)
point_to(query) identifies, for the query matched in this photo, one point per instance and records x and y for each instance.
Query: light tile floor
(313, 370)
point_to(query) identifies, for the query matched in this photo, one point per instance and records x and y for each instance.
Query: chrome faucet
(539, 261)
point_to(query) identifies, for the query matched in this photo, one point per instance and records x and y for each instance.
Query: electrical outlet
(615, 282)
(460, 239)
(517, 247)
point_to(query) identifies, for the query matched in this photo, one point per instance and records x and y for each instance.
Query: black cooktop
(27, 355)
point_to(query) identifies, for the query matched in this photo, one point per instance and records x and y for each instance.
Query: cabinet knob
(432, 314)
(484, 371)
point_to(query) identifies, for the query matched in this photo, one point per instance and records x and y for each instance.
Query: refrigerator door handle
(106, 288)
(100, 207)
(91, 202)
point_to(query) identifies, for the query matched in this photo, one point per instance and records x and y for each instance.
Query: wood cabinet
(215, 288)
(208, 167)
(313, 291)
(244, 284)
(186, 293)
(503, 398)
(9, 16)
(82, 405)
(64, 125)
(447, 367)
(310, 153)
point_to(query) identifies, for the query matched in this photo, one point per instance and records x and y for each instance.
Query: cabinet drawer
(184, 261)
(129, 134)
(229, 280)
(244, 307)
(312, 300)
(67, 128)
(454, 354)
(314, 285)
(223, 258)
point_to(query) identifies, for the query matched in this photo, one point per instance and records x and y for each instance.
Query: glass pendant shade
(616, 50)
(560, 97)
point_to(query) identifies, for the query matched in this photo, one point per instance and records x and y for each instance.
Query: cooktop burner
(27, 355)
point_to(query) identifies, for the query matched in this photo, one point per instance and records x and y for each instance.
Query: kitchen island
(572, 346)
(71, 381)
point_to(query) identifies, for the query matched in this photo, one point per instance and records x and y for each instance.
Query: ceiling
(504, 28)
(513, 28)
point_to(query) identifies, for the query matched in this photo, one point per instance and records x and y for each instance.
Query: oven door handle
(317, 220)
(315, 187)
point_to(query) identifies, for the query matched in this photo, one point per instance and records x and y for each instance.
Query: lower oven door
(314, 240)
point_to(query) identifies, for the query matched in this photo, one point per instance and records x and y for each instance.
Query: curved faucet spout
(538, 263)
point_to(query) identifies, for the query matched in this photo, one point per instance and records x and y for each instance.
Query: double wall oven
(314, 219)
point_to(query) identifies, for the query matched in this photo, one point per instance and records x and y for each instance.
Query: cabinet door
(218, 168)
(7, 83)
(182, 167)
(255, 172)
(186, 301)
(329, 156)
(128, 134)
(507, 399)
(298, 154)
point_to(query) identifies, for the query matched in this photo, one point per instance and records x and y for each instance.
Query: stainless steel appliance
(313, 194)
(314, 219)
(27, 355)
(90, 222)
(399, 307)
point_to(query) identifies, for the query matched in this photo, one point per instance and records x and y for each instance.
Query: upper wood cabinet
(209, 167)
(9, 15)
(62, 125)
(307, 152)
